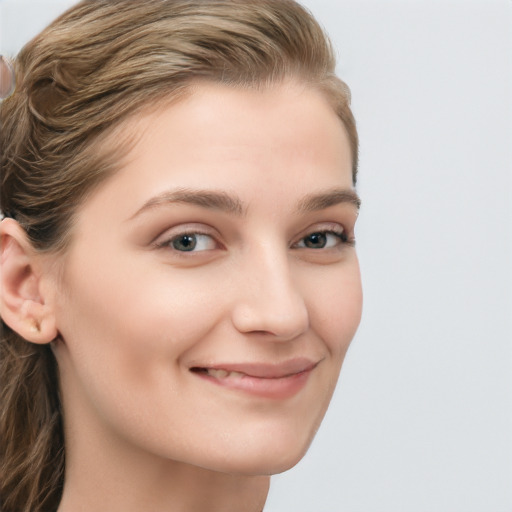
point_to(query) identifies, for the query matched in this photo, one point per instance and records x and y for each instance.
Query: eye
(191, 242)
(322, 240)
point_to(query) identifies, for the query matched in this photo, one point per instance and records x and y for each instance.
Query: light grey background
(422, 417)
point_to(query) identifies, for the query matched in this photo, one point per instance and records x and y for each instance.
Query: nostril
(268, 324)
(273, 306)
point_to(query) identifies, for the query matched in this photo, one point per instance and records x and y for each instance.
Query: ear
(23, 305)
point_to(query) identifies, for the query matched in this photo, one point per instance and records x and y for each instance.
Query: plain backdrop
(422, 417)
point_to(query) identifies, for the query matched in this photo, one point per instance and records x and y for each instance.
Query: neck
(105, 472)
(164, 487)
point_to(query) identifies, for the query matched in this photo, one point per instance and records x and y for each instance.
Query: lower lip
(273, 388)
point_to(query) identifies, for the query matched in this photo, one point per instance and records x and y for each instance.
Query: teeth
(218, 374)
(222, 374)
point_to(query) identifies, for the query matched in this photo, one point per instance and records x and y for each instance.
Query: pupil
(316, 241)
(185, 243)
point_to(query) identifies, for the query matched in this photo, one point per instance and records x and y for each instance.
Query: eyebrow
(222, 201)
(321, 201)
(209, 199)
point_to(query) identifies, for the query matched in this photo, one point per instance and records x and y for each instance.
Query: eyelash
(339, 233)
(168, 242)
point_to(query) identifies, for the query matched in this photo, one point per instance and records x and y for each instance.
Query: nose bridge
(268, 298)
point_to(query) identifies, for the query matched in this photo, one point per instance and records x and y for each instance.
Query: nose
(268, 300)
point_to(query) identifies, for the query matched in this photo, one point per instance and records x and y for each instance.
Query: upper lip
(264, 370)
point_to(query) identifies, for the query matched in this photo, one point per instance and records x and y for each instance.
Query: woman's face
(211, 288)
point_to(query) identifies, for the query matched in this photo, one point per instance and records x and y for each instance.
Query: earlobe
(23, 306)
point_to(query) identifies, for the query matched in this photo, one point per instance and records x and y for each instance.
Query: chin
(262, 466)
(284, 463)
(258, 459)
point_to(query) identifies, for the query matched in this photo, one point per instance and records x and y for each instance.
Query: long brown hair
(97, 64)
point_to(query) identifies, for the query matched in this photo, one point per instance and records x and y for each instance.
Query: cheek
(124, 334)
(337, 309)
(127, 329)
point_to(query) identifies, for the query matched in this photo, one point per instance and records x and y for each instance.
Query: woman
(179, 278)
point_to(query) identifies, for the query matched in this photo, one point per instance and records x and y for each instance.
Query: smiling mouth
(266, 381)
(225, 374)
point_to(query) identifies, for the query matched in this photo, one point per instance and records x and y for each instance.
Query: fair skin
(205, 303)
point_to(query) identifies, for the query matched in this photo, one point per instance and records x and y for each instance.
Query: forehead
(281, 138)
(238, 123)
